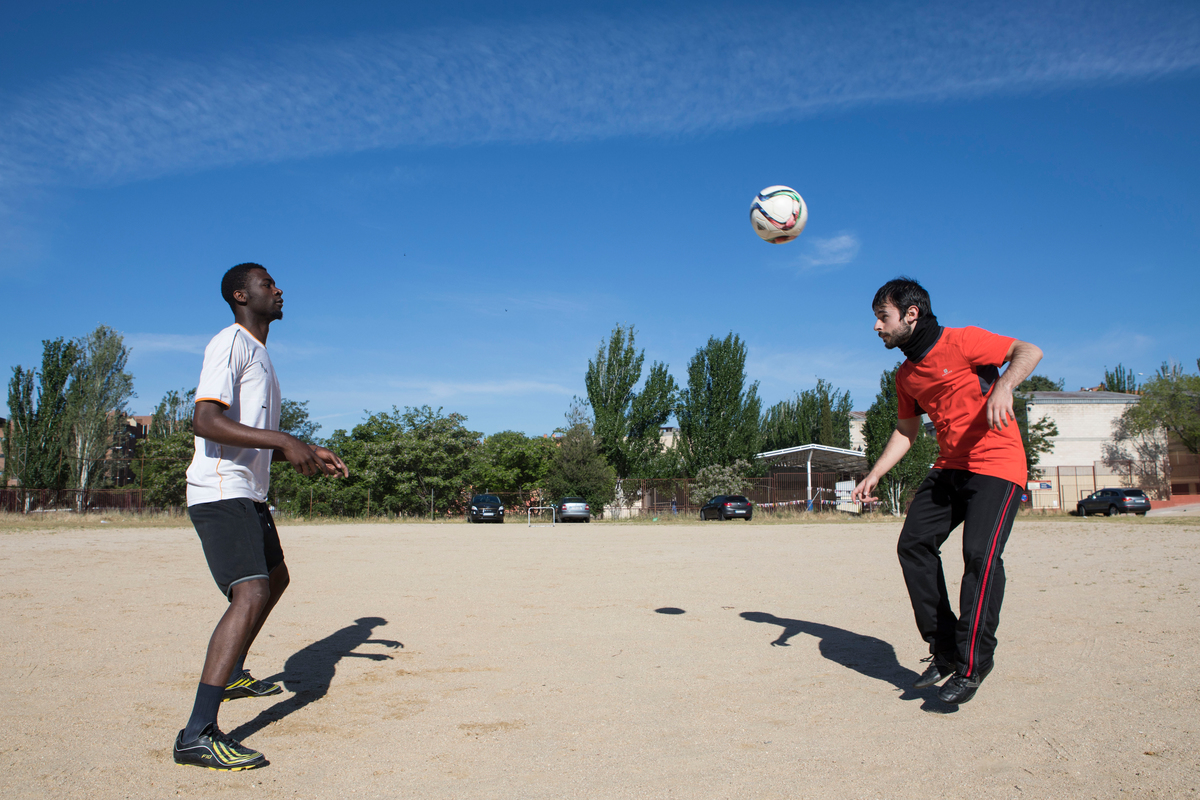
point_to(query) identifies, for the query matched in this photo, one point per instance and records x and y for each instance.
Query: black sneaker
(959, 689)
(215, 750)
(940, 667)
(246, 685)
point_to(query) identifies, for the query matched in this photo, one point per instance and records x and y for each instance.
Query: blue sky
(460, 204)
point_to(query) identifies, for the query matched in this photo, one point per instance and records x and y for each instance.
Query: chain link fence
(634, 498)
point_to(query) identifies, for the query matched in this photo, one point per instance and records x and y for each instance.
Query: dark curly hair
(903, 292)
(235, 279)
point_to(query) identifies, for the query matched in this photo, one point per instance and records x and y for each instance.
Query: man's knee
(911, 545)
(251, 595)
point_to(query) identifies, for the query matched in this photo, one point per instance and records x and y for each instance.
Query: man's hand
(311, 460)
(334, 464)
(864, 491)
(1000, 407)
(1022, 357)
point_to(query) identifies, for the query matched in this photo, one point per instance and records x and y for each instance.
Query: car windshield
(1134, 493)
(572, 500)
(485, 498)
(736, 498)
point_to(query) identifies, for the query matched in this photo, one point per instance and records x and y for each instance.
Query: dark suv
(1114, 501)
(485, 508)
(727, 506)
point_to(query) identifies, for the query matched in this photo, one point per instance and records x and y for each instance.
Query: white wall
(1084, 427)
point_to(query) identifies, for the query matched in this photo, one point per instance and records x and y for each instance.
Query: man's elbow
(203, 422)
(200, 426)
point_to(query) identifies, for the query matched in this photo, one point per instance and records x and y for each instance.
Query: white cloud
(141, 343)
(826, 255)
(578, 78)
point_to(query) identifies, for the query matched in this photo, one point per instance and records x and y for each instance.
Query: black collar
(924, 336)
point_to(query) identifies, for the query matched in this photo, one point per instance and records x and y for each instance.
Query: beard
(899, 338)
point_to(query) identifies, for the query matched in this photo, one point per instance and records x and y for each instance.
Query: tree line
(66, 417)
(421, 461)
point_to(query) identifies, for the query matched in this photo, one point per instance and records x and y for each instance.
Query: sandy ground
(455, 661)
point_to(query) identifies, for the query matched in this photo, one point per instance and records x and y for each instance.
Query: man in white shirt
(236, 423)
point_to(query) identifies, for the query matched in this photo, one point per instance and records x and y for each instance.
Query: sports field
(456, 661)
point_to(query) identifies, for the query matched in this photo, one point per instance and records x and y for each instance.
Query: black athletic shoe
(215, 750)
(246, 685)
(959, 689)
(938, 670)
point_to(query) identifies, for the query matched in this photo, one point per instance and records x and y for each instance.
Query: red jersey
(951, 384)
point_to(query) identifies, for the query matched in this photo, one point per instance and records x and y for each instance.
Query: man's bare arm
(901, 439)
(1022, 358)
(209, 422)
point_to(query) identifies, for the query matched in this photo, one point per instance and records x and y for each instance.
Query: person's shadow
(308, 672)
(872, 657)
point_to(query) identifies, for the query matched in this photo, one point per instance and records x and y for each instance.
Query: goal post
(553, 516)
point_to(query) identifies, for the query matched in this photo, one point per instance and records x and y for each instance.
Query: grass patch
(64, 520)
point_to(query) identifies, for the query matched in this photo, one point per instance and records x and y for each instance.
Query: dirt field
(456, 661)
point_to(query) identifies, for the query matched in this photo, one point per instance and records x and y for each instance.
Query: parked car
(727, 506)
(485, 508)
(1114, 501)
(573, 509)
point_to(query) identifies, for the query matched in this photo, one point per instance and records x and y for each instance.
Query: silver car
(573, 509)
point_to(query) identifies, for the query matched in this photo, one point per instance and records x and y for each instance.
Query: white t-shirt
(237, 373)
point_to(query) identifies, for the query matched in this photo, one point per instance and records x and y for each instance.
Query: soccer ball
(778, 214)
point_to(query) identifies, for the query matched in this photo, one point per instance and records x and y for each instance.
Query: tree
(407, 462)
(580, 470)
(1040, 383)
(627, 422)
(293, 419)
(820, 415)
(901, 481)
(1120, 380)
(509, 462)
(716, 479)
(162, 463)
(718, 416)
(163, 457)
(35, 437)
(173, 414)
(1169, 401)
(100, 388)
(1038, 437)
(1142, 456)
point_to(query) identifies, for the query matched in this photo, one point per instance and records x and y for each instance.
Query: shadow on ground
(309, 672)
(867, 655)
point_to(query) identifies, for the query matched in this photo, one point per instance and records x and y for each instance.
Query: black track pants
(986, 507)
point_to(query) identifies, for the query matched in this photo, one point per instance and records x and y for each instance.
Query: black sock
(236, 672)
(208, 701)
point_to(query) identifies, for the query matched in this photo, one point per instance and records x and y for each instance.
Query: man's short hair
(235, 280)
(903, 292)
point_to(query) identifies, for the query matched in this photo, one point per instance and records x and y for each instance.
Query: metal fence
(18, 500)
(635, 498)
(780, 491)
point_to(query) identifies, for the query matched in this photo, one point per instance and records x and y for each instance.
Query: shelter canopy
(817, 458)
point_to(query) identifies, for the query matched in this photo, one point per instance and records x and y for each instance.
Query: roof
(823, 458)
(858, 415)
(1081, 397)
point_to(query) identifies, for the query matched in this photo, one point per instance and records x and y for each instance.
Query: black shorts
(239, 538)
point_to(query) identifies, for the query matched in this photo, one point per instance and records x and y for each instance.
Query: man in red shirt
(953, 375)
